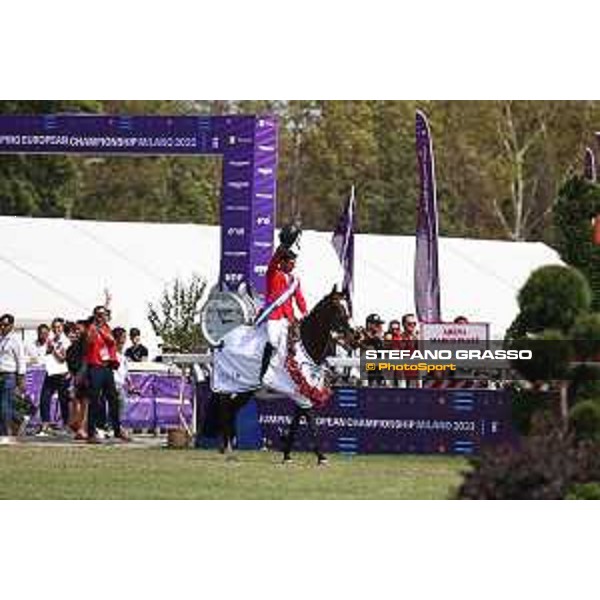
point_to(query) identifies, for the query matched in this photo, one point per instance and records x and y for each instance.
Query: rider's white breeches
(276, 331)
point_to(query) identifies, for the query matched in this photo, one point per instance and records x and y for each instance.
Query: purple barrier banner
(388, 420)
(156, 403)
(376, 421)
(247, 144)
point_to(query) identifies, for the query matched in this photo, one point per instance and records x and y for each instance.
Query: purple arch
(247, 144)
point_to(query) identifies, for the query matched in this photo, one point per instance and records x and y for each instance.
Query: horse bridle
(349, 335)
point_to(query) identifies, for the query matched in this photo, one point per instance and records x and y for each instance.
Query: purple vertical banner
(589, 170)
(343, 243)
(237, 135)
(248, 200)
(264, 194)
(427, 282)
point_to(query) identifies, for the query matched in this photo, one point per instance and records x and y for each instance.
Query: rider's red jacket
(277, 283)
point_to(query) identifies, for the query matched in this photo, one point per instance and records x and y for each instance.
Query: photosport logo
(523, 359)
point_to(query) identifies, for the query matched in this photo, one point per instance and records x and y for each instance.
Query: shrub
(584, 491)
(24, 407)
(584, 420)
(553, 297)
(525, 404)
(585, 383)
(551, 354)
(547, 465)
(586, 336)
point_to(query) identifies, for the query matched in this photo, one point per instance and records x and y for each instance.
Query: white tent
(51, 267)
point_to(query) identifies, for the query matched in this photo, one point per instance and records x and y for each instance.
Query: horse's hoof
(322, 462)
(287, 460)
(230, 457)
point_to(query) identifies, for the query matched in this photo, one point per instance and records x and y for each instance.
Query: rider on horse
(283, 290)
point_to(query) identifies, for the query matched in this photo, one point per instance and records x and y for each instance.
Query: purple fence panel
(156, 402)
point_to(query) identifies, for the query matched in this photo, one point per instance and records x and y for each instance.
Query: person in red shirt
(101, 360)
(393, 340)
(284, 291)
(408, 341)
(393, 334)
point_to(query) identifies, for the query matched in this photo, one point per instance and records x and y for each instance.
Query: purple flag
(590, 165)
(343, 242)
(427, 283)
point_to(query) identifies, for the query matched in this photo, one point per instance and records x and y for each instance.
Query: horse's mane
(314, 323)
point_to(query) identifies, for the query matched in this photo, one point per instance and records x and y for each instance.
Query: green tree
(503, 162)
(39, 186)
(578, 203)
(166, 189)
(175, 318)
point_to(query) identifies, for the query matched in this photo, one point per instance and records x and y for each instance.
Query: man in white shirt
(37, 350)
(12, 373)
(123, 381)
(57, 376)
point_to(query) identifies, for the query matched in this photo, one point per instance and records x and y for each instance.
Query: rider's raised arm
(275, 260)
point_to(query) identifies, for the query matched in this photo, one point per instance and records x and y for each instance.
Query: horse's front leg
(230, 407)
(227, 423)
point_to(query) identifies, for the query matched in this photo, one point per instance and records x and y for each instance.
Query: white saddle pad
(236, 366)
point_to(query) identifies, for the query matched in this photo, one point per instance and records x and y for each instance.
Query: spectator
(122, 379)
(393, 338)
(101, 359)
(409, 325)
(78, 377)
(12, 373)
(373, 340)
(36, 351)
(374, 332)
(409, 342)
(394, 331)
(57, 376)
(461, 321)
(137, 352)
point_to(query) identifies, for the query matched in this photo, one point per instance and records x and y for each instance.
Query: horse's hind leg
(230, 407)
(288, 440)
(309, 415)
(227, 422)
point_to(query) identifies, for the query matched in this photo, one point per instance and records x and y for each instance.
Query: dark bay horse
(327, 324)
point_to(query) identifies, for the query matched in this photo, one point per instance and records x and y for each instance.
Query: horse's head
(328, 323)
(337, 307)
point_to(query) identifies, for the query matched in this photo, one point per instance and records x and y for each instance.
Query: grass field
(138, 473)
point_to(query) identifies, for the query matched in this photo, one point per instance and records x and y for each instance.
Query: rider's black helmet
(289, 235)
